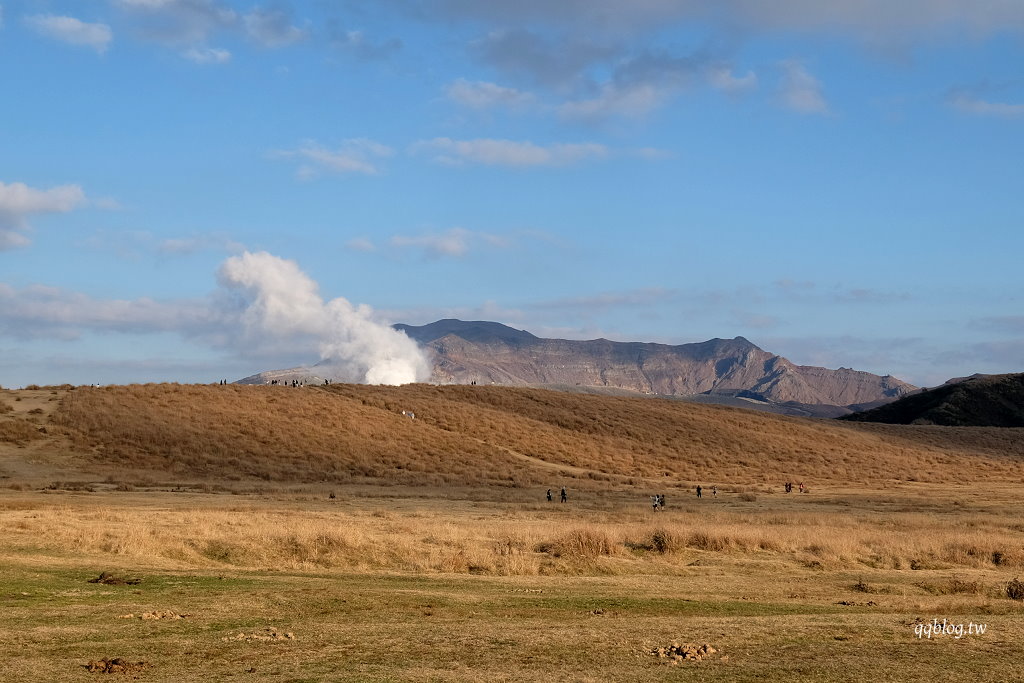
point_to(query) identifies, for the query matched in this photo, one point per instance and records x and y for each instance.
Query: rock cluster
(267, 634)
(676, 652)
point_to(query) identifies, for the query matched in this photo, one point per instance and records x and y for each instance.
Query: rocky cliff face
(488, 352)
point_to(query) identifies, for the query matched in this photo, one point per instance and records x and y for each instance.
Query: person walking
(699, 489)
(549, 495)
(714, 492)
(564, 496)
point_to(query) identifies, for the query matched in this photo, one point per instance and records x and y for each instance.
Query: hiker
(714, 491)
(549, 495)
(564, 496)
(801, 487)
(654, 503)
(661, 501)
(699, 489)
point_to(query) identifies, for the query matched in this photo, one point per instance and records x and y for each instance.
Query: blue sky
(842, 185)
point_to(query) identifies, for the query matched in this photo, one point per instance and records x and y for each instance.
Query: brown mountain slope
(979, 401)
(488, 352)
(488, 436)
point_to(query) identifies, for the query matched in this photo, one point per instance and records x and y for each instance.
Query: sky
(840, 183)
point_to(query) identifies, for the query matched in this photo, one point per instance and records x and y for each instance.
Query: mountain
(718, 369)
(976, 401)
(727, 371)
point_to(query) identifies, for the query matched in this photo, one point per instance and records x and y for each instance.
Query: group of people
(658, 501)
(789, 487)
(294, 382)
(564, 495)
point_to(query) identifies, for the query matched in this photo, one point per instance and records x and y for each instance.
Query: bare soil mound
(117, 665)
(109, 579)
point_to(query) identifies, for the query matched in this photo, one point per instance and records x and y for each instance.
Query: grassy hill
(468, 436)
(981, 401)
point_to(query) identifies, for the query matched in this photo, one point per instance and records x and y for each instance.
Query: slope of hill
(488, 352)
(978, 401)
(482, 436)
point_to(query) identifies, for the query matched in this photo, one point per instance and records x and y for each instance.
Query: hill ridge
(976, 401)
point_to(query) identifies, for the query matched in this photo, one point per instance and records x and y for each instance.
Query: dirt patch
(115, 666)
(268, 634)
(112, 580)
(676, 653)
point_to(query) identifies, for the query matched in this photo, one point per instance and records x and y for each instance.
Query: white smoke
(283, 302)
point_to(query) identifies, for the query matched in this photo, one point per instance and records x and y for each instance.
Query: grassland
(437, 558)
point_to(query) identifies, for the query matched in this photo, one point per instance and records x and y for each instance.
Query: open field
(471, 574)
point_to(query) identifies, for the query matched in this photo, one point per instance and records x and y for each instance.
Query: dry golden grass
(610, 533)
(420, 583)
(502, 436)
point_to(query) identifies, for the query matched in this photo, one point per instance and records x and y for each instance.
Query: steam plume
(283, 302)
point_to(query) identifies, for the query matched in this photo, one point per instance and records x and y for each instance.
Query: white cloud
(18, 201)
(614, 100)
(645, 81)
(969, 104)
(184, 246)
(650, 153)
(484, 95)
(491, 152)
(207, 55)
(356, 155)
(39, 311)
(455, 242)
(360, 244)
(272, 28)
(178, 22)
(800, 91)
(358, 45)
(72, 31)
(721, 76)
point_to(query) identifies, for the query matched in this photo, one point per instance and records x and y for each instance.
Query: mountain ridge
(488, 352)
(485, 352)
